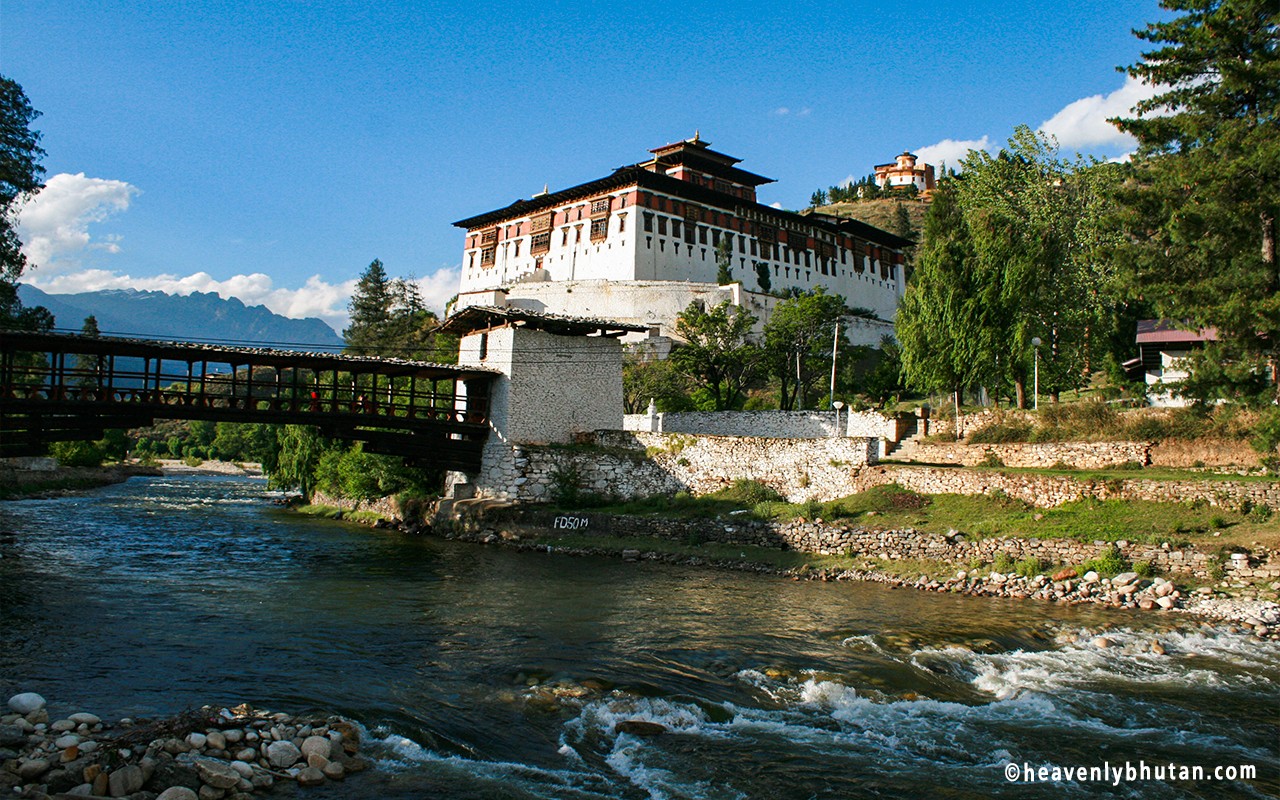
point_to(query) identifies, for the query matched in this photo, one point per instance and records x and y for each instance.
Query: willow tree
(1204, 189)
(1014, 252)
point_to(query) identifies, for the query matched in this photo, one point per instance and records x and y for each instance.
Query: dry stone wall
(1078, 455)
(816, 536)
(628, 465)
(769, 424)
(1048, 491)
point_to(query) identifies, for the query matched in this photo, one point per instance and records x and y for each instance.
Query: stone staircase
(902, 450)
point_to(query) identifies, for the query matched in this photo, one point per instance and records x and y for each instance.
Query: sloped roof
(1163, 331)
(476, 318)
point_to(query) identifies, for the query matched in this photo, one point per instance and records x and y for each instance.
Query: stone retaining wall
(1047, 491)
(628, 465)
(1078, 455)
(769, 424)
(893, 545)
(388, 507)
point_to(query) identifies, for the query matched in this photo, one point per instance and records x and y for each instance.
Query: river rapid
(485, 673)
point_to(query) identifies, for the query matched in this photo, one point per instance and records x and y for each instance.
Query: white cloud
(775, 205)
(54, 223)
(1083, 123)
(316, 298)
(950, 151)
(781, 111)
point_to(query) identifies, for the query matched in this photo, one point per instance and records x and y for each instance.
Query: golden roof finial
(697, 135)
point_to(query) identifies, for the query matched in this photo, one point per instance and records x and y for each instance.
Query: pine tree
(20, 174)
(371, 306)
(1204, 189)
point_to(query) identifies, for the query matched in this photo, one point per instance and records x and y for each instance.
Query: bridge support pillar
(554, 383)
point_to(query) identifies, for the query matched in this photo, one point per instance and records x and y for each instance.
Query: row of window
(540, 243)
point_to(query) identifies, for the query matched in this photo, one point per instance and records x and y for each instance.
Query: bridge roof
(478, 318)
(235, 355)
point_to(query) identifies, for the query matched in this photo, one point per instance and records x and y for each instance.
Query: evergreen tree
(20, 174)
(724, 261)
(763, 279)
(370, 308)
(1203, 193)
(818, 198)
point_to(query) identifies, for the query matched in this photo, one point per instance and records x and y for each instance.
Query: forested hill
(195, 316)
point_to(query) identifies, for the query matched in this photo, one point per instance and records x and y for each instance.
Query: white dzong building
(639, 245)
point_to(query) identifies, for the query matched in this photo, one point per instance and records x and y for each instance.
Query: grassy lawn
(985, 516)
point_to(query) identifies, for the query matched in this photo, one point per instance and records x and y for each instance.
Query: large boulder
(218, 774)
(26, 703)
(283, 755)
(316, 746)
(178, 793)
(125, 780)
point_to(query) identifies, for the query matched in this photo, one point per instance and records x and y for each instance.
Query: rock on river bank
(208, 754)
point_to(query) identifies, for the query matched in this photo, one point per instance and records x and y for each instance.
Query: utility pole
(835, 349)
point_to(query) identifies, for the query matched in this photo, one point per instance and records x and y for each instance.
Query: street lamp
(1036, 342)
(837, 405)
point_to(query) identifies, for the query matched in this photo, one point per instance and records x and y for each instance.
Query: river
(485, 673)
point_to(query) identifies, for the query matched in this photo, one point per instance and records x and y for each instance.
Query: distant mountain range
(197, 316)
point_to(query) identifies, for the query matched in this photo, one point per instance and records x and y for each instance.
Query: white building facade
(650, 231)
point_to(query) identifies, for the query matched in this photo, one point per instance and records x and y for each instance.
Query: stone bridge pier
(558, 377)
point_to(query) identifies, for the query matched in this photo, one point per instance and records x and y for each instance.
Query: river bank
(210, 753)
(903, 559)
(17, 483)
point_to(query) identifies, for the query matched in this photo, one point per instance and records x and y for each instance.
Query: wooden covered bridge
(56, 387)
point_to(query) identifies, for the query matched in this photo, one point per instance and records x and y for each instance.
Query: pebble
(63, 742)
(84, 718)
(216, 740)
(178, 793)
(1103, 642)
(197, 740)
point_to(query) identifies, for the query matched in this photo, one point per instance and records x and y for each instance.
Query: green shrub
(1002, 433)
(76, 454)
(1031, 566)
(192, 460)
(749, 493)
(1062, 466)
(990, 459)
(1002, 563)
(1130, 466)
(1218, 521)
(1260, 513)
(566, 484)
(1109, 563)
(1145, 569)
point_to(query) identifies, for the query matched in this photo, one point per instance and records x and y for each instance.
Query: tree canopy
(20, 175)
(717, 356)
(1014, 251)
(1203, 191)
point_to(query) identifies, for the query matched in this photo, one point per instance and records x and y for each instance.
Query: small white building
(640, 244)
(906, 171)
(1162, 351)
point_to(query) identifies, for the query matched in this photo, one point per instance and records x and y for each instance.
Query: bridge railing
(77, 380)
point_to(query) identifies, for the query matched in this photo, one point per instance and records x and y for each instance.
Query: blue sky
(270, 150)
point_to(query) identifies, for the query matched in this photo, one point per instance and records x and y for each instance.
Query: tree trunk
(1020, 391)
